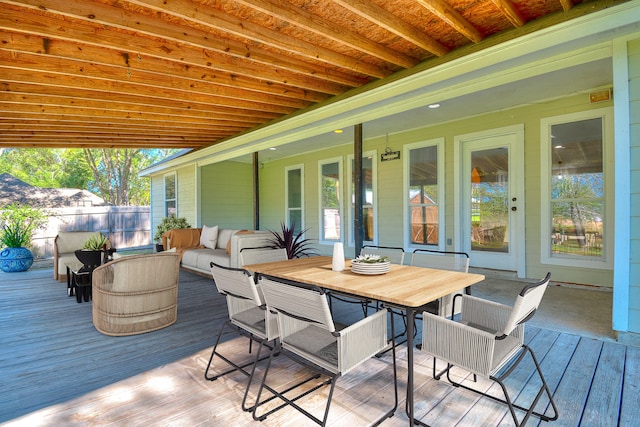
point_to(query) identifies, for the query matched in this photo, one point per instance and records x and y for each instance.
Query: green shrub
(18, 223)
(169, 223)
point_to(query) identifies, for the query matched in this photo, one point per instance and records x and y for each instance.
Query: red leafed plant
(295, 244)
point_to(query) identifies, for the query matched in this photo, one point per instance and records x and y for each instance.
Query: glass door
(492, 206)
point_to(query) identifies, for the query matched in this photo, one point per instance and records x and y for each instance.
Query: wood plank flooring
(56, 369)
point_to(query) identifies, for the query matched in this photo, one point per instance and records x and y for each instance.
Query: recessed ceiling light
(272, 148)
(338, 131)
(432, 106)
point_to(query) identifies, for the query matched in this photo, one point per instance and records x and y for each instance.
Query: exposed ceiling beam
(444, 11)
(390, 22)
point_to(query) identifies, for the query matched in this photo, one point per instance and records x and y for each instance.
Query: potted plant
(295, 244)
(168, 223)
(18, 223)
(97, 242)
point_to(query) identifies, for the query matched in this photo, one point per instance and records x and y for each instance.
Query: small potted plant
(97, 242)
(295, 244)
(168, 223)
(18, 224)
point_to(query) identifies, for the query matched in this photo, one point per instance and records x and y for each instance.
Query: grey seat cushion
(253, 317)
(316, 341)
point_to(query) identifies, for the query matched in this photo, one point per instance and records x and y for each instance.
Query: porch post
(256, 192)
(358, 183)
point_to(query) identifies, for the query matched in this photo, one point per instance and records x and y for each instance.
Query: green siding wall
(226, 195)
(390, 182)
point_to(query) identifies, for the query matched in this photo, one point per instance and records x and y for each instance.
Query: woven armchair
(136, 294)
(489, 341)
(309, 336)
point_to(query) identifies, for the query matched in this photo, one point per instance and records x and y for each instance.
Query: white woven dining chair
(394, 254)
(248, 316)
(262, 254)
(309, 336)
(442, 260)
(488, 340)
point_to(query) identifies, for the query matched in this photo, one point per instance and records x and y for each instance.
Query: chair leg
(280, 394)
(235, 367)
(507, 401)
(331, 380)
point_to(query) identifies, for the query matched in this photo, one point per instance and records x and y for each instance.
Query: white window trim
(439, 143)
(605, 262)
(321, 239)
(286, 194)
(374, 177)
(164, 191)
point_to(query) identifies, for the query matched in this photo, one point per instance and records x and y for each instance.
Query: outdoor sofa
(198, 247)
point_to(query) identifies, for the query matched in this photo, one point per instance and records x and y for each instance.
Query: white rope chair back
(308, 304)
(526, 304)
(236, 282)
(395, 255)
(453, 261)
(250, 256)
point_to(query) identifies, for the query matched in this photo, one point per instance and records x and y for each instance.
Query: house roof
(193, 73)
(14, 190)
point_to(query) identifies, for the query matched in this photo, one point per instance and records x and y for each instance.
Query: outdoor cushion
(209, 236)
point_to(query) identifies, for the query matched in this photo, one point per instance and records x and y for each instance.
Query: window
(170, 195)
(294, 185)
(424, 192)
(330, 200)
(575, 188)
(369, 170)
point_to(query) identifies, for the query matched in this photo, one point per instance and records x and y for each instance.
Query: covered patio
(58, 370)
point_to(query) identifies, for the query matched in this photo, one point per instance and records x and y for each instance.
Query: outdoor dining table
(404, 287)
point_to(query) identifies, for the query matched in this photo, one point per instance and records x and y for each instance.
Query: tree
(110, 173)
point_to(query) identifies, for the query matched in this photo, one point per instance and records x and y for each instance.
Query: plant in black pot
(295, 243)
(18, 224)
(168, 223)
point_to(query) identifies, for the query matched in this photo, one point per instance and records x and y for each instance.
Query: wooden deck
(56, 369)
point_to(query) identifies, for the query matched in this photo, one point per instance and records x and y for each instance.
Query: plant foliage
(169, 223)
(18, 223)
(96, 242)
(295, 244)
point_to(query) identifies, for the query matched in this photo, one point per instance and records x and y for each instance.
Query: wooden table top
(403, 285)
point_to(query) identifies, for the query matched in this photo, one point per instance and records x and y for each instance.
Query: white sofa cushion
(209, 236)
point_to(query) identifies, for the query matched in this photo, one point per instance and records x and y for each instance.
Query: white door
(490, 202)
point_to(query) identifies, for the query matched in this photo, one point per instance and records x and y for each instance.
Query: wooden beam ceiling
(190, 73)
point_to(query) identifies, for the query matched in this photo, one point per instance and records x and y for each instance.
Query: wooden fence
(125, 226)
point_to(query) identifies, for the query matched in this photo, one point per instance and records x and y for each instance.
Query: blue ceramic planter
(15, 259)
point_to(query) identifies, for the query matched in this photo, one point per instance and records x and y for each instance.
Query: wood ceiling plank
(509, 10)
(444, 11)
(96, 144)
(159, 120)
(325, 28)
(141, 80)
(20, 42)
(36, 127)
(16, 118)
(79, 82)
(20, 99)
(566, 4)
(394, 24)
(31, 20)
(171, 106)
(244, 29)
